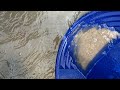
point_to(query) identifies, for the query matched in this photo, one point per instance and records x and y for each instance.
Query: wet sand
(29, 42)
(89, 43)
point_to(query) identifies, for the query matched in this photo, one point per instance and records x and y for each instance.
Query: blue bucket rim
(67, 33)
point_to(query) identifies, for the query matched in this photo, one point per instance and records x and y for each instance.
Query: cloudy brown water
(29, 42)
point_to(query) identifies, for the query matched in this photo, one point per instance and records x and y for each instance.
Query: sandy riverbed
(29, 42)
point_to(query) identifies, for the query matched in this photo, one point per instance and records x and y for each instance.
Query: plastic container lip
(85, 19)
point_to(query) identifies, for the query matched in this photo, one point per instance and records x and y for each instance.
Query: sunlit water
(29, 42)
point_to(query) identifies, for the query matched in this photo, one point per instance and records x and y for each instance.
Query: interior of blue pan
(103, 66)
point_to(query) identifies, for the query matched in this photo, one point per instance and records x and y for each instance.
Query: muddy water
(29, 42)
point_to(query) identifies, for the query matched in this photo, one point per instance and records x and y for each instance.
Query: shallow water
(29, 42)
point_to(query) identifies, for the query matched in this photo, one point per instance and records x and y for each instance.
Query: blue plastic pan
(103, 66)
